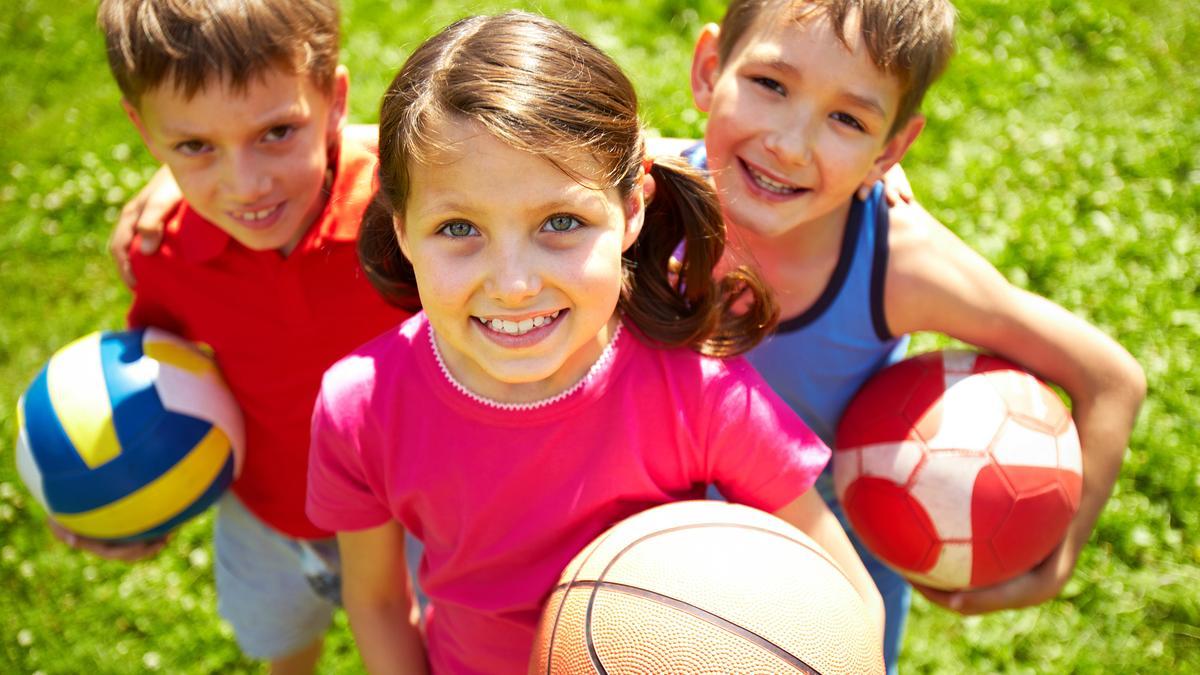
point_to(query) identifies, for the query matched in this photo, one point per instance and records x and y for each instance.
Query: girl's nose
(514, 278)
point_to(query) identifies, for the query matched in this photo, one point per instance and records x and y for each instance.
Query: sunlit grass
(1064, 144)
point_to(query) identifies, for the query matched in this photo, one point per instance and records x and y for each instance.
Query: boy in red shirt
(245, 103)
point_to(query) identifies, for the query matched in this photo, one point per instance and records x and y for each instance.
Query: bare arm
(936, 283)
(809, 514)
(376, 592)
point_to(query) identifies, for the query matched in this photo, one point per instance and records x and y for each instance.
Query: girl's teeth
(518, 327)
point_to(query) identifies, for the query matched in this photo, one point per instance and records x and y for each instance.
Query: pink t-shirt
(504, 495)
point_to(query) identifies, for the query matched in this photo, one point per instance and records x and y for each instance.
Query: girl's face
(518, 265)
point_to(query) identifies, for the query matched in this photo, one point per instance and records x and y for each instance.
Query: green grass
(1064, 144)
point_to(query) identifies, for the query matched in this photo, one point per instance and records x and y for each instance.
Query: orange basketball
(704, 587)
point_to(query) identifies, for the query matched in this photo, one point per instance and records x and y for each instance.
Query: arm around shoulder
(936, 283)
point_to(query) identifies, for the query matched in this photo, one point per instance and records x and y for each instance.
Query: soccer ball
(958, 469)
(125, 435)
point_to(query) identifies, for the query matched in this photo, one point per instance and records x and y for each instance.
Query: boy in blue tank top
(809, 104)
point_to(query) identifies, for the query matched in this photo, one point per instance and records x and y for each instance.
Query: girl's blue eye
(458, 229)
(562, 224)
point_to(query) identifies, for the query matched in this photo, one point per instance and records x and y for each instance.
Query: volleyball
(125, 435)
(705, 587)
(958, 469)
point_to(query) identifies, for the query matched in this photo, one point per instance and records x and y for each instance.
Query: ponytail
(685, 304)
(381, 258)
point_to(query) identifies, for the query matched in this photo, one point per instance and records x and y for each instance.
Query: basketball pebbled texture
(705, 587)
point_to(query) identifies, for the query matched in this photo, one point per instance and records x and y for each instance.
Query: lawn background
(1063, 144)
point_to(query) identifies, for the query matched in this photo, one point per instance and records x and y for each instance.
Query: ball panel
(1018, 444)
(204, 396)
(209, 497)
(991, 503)
(875, 416)
(944, 486)
(683, 641)
(1070, 455)
(27, 468)
(971, 411)
(892, 523)
(1033, 528)
(165, 441)
(952, 569)
(174, 351)
(161, 498)
(75, 383)
(896, 462)
(55, 452)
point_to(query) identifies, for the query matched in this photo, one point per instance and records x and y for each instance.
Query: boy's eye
(458, 229)
(768, 83)
(561, 223)
(848, 120)
(191, 148)
(279, 133)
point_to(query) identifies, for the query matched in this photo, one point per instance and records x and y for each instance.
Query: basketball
(125, 435)
(704, 587)
(958, 469)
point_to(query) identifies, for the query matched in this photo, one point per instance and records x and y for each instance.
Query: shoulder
(934, 280)
(355, 380)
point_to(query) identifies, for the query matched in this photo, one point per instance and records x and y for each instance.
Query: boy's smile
(518, 265)
(797, 122)
(253, 162)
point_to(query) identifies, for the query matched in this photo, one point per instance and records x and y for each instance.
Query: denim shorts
(278, 593)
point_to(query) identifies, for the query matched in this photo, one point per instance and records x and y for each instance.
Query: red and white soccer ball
(958, 469)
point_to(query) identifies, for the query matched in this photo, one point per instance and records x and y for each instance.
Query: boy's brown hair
(542, 89)
(188, 42)
(909, 39)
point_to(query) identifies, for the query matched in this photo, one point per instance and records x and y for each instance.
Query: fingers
(1027, 590)
(120, 239)
(143, 216)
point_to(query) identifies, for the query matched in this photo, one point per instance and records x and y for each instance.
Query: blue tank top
(818, 360)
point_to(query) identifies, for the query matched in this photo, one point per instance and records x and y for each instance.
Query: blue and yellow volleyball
(125, 435)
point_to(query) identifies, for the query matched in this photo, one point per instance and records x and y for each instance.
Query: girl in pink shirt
(562, 375)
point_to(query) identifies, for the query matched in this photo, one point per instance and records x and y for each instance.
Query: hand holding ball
(123, 436)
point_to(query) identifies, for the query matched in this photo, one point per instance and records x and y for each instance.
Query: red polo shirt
(275, 325)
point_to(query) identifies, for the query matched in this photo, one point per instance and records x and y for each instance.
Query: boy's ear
(340, 104)
(895, 148)
(706, 66)
(635, 209)
(134, 116)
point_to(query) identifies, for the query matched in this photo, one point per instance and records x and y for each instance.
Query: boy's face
(252, 162)
(797, 123)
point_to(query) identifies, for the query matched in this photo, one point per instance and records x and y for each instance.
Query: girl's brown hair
(544, 90)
